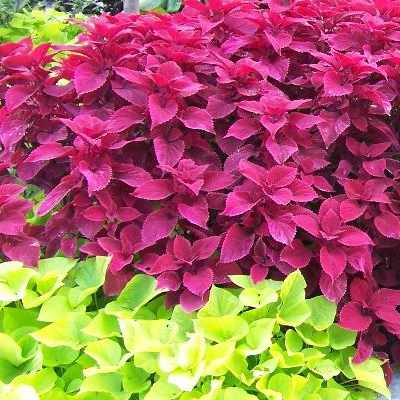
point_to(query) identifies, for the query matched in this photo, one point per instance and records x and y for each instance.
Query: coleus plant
(61, 340)
(16, 242)
(262, 131)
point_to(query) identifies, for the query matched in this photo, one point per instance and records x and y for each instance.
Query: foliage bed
(233, 138)
(263, 341)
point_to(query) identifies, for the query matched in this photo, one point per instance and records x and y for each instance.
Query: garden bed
(235, 161)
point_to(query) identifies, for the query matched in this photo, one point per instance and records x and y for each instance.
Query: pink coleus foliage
(369, 310)
(15, 240)
(233, 137)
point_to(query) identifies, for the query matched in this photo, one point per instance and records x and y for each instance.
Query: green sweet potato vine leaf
(43, 26)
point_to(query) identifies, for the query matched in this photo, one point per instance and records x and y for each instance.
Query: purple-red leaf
(124, 118)
(333, 261)
(353, 318)
(199, 282)
(18, 95)
(238, 203)
(354, 237)
(197, 118)
(168, 152)
(89, 77)
(296, 255)
(156, 189)
(282, 228)
(388, 225)
(335, 85)
(98, 176)
(162, 109)
(237, 244)
(196, 213)
(242, 129)
(158, 225)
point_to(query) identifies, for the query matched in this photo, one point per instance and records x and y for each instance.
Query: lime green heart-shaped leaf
(323, 313)
(65, 332)
(148, 336)
(138, 292)
(103, 326)
(259, 337)
(313, 337)
(340, 338)
(134, 380)
(294, 309)
(221, 329)
(221, 302)
(370, 375)
(42, 381)
(90, 275)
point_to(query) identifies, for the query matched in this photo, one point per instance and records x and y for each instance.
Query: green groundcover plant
(46, 25)
(60, 340)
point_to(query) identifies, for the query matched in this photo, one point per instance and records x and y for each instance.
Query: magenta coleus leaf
(162, 109)
(236, 245)
(197, 118)
(296, 255)
(199, 282)
(158, 225)
(18, 95)
(169, 150)
(89, 77)
(155, 189)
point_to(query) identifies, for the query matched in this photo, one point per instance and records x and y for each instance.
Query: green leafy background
(46, 25)
(60, 339)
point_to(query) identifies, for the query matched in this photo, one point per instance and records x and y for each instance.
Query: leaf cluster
(46, 25)
(261, 341)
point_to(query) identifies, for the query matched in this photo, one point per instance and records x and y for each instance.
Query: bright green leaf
(294, 309)
(54, 308)
(89, 277)
(333, 394)
(162, 390)
(10, 350)
(106, 352)
(15, 318)
(148, 336)
(256, 298)
(138, 292)
(42, 381)
(134, 380)
(56, 356)
(109, 383)
(238, 366)
(221, 302)
(259, 337)
(65, 332)
(217, 356)
(370, 375)
(340, 338)
(313, 337)
(14, 280)
(323, 313)
(293, 341)
(325, 368)
(221, 329)
(102, 326)
(52, 272)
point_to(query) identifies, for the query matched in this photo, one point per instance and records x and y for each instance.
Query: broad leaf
(294, 309)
